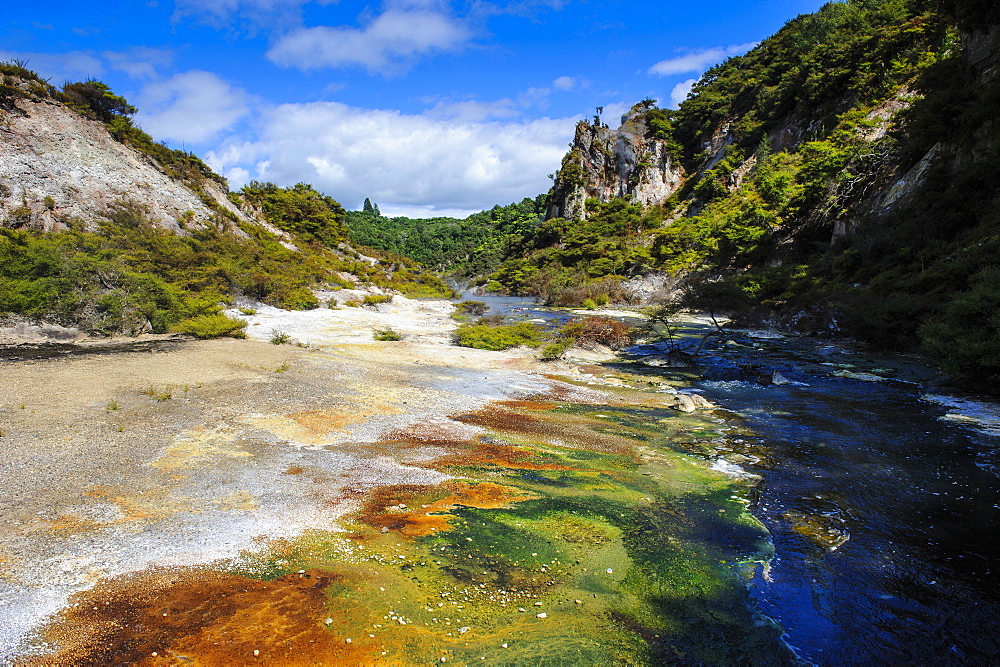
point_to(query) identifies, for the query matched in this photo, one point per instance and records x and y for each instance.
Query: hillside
(835, 178)
(473, 246)
(103, 229)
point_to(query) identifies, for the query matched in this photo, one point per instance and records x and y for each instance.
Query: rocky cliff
(629, 163)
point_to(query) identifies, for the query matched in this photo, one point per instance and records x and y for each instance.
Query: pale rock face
(624, 163)
(47, 150)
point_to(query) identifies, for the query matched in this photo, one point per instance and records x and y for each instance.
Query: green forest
(920, 276)
(465, 248)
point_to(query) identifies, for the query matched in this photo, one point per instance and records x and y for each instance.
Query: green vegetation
(387, 334)
(376, 299)
(569, 261)
(469, 247)
(279, 337)
(131, 276)
(301, 210)
(212, 326)
(485, 336)
(812, 141)
(465, 311)
(157, 394)
(493, 334)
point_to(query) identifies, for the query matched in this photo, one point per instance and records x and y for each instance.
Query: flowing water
(881, 494)
(884, 508)
(588, 516)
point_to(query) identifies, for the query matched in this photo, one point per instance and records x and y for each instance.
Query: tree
(97, 97)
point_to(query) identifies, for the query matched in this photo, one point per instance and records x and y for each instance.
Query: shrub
(555, 350)
(158, 395)
(473, 308)
(596, 331)
(212, 326)
(299, 298)
(376, 299)
(605, 331)
(466, 310)
(386, 334)
(279, 337)
(499, 337)
(248, 311)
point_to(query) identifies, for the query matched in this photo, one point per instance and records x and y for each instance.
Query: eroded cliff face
(56, 166)
(605, 164)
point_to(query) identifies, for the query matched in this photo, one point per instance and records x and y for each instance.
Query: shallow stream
(881, 493)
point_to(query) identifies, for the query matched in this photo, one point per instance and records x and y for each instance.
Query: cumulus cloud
(680, 92)
(194, 106)
(385, 44)
(405, 162)
(473, 110)
(698, 61)
(565, 83)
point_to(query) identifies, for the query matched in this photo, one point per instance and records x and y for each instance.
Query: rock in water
(685, 403)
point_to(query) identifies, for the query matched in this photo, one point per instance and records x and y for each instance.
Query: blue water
(918, 578)
(910, 572)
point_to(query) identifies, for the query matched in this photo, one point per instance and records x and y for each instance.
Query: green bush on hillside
(212, 326)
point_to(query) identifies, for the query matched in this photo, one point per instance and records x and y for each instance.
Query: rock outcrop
(604, 164)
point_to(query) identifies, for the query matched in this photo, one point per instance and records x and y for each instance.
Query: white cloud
(386, 44)
(193, 106)
(565, 83)
(60, 67)
(680, 92)
(405, 162)
(698, 61)
(473, 110)
(140, 62)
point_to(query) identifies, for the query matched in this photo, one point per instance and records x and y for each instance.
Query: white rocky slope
(61, 165)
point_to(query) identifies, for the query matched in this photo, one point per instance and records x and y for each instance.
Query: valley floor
(210, 500)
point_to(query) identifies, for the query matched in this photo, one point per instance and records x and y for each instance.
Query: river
(880, 492)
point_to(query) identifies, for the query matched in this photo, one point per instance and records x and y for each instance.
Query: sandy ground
(198, 450)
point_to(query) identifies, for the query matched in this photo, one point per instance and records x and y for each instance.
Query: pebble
(542, 615)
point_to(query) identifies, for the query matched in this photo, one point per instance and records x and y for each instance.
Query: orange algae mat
(568, 533)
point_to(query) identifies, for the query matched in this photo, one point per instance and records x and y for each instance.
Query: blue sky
(429, 107)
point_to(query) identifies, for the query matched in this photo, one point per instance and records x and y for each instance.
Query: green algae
(629, 556)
